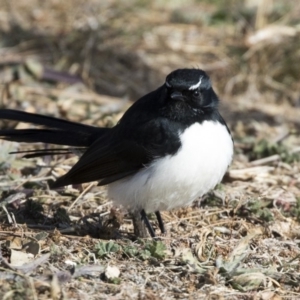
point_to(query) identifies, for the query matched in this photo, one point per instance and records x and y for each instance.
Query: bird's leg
(160, 222)
(139, 225)
(147, 223)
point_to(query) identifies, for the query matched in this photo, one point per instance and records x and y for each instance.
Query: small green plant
(260, 210)
(154, 249)
(104, 249)
(131, 250)
(264, 148)
(146, 249)
(115, 280)
(265, 214)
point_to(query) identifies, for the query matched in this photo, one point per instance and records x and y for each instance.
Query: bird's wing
(122, 153)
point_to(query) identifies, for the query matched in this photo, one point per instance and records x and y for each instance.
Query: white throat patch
(195, 86)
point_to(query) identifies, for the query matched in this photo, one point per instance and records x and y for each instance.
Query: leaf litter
(241, 241)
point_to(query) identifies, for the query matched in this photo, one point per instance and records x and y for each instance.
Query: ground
(88, 61)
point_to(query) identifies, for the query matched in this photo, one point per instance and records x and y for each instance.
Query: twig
(271, 158)
(83, 192)
(265, 160)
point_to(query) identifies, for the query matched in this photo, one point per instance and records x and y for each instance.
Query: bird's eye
(196, 93)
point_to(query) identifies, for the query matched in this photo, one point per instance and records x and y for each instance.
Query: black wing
(123, 152)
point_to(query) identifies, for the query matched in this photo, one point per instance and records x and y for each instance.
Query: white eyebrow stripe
(195, 86)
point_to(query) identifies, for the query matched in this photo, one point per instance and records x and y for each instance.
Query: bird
(169, 148)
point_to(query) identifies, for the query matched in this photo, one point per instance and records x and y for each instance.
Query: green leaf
(157, 249)
(104, 249)
(130, 250)
(249, 281)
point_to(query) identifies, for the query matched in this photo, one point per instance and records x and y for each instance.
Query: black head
(186, 97)
(190, 89)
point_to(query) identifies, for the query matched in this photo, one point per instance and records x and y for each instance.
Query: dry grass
(242, 240)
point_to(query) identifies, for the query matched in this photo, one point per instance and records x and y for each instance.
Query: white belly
(177, 180)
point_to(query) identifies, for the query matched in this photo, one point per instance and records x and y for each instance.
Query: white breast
(177, 180)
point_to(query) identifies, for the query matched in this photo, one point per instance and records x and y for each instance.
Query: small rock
(112, 272)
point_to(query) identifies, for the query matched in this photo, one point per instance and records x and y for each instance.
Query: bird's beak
(176, 95)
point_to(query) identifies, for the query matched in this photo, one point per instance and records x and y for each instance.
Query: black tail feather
(44, 152)
(60, 132)
(49, 136)
(51, 122)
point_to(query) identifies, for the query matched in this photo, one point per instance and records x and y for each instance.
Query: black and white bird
(169, 148)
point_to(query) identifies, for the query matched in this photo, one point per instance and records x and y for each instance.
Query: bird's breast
(176, 180)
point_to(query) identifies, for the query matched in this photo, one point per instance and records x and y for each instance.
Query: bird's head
(190, 89)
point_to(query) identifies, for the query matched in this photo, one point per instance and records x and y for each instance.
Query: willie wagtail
(169, 148)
